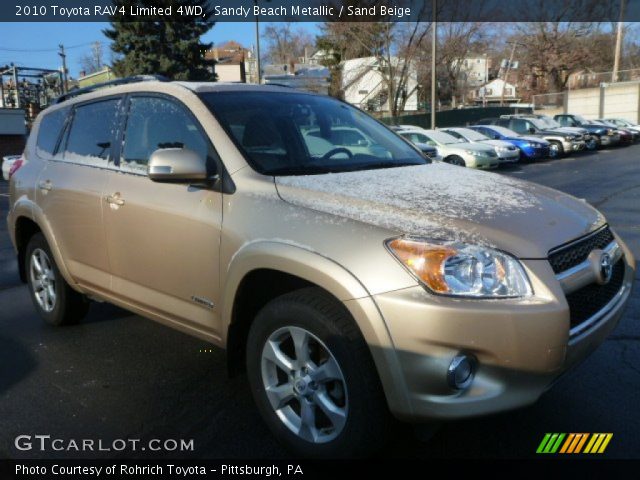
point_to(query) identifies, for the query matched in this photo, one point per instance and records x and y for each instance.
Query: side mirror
(177, 165)
(532, 130)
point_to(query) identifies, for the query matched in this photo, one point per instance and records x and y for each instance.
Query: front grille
(563, 258)
(589, 300)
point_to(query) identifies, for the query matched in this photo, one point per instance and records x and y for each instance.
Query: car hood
(553, 131)
(573, 130)
(531, 138)
(497, 143)
(476, 147)
(448, 203)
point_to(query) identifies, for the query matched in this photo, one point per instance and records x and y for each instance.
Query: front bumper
(535, 153)
(511, 156)
(606, 140)
(574, 146)
(521, 346)
(481, 162)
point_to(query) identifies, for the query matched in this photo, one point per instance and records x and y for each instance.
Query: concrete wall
(622, 101)
(585, 102)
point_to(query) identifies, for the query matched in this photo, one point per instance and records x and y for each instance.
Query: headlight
(527, 145)
(610, 132)
(475, 153)
(462, 270)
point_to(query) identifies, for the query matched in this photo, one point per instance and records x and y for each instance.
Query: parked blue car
(531, 148)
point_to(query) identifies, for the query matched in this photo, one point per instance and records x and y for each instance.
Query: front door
(164, 239)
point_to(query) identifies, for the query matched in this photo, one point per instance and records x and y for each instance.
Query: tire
(557, 148)
(56, 302)
(456, 160)
(591, 145)
(361, 420)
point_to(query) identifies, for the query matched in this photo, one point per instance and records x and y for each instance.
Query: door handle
(114, 199)
(45, 185)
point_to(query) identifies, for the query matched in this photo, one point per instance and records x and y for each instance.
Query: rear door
(70, 189)
(164, 239)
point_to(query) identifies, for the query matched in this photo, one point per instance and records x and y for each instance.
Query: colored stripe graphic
(574, 443)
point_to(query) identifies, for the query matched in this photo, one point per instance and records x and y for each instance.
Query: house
(104, 75)
(365, 85)
(474, 70)
(492, 92)
(232, 63)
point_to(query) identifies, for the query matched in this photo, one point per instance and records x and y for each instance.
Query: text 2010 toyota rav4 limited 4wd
(353, 279)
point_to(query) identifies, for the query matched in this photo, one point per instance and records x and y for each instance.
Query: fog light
(461, 371)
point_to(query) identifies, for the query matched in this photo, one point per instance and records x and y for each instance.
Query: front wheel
(591, 144)
(456, 160)
(313, 378)
(56, 302)
(555, 150)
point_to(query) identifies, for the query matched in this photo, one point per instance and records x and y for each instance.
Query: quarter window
(92, 131)
(49, 132)
(154, 123)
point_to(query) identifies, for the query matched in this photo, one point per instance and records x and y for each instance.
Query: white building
(364, 85)
(492, 92)
(474, 70)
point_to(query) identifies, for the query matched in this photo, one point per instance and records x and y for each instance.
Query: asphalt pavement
(117, 375)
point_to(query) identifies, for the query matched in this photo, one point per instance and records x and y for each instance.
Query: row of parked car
(511, 138)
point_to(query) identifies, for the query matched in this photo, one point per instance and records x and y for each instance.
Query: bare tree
(92, 61)
(285, 43)
(392, 48)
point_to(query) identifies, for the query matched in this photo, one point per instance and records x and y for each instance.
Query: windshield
(472, 135)
(580, 119)
(504, 131)
(301, 134)
(442, 137)
(549, 122)
(537, 123)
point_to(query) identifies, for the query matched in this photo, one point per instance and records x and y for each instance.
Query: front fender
(334, 278)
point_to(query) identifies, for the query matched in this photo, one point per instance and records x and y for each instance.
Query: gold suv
(353, 279)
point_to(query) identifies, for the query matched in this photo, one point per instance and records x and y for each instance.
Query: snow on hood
(446, 202)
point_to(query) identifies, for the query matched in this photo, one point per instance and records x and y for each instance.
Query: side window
(49, 132)
(519, 125)
(92, 131)
(564, 121)
(155, 123)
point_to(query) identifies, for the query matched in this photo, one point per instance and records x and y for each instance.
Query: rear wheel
(56, 302)
(313, 378)
(456, 160)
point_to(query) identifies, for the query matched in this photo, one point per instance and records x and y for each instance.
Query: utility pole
(64, 68)
(434, 40)
(259, 74)
(506, 74)
(616, 56)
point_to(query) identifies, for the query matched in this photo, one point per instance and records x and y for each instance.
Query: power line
(43, 50)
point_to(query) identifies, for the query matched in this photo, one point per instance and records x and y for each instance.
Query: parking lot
(118, 375)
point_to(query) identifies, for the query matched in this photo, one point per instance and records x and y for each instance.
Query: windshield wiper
(301, 170)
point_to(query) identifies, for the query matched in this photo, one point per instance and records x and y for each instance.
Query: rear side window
(92, 132)
(49, 132)
(154, 123)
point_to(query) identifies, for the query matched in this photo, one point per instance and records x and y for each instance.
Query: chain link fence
(594, 79)
(547, 101)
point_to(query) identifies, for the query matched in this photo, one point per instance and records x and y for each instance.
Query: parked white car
(622, 123)
(507, 152)
(454, 150)
(7, 163)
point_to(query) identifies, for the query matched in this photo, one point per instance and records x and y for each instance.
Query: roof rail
(111, 83)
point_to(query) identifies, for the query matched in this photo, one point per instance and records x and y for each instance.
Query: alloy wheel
(43, 279)
(304, 384)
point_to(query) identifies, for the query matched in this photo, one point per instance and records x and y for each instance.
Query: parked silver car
(454, 150)
(506, 151)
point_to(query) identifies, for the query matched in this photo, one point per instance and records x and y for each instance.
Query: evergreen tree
(154, 46)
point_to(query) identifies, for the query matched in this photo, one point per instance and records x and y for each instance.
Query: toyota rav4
(354, 280)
